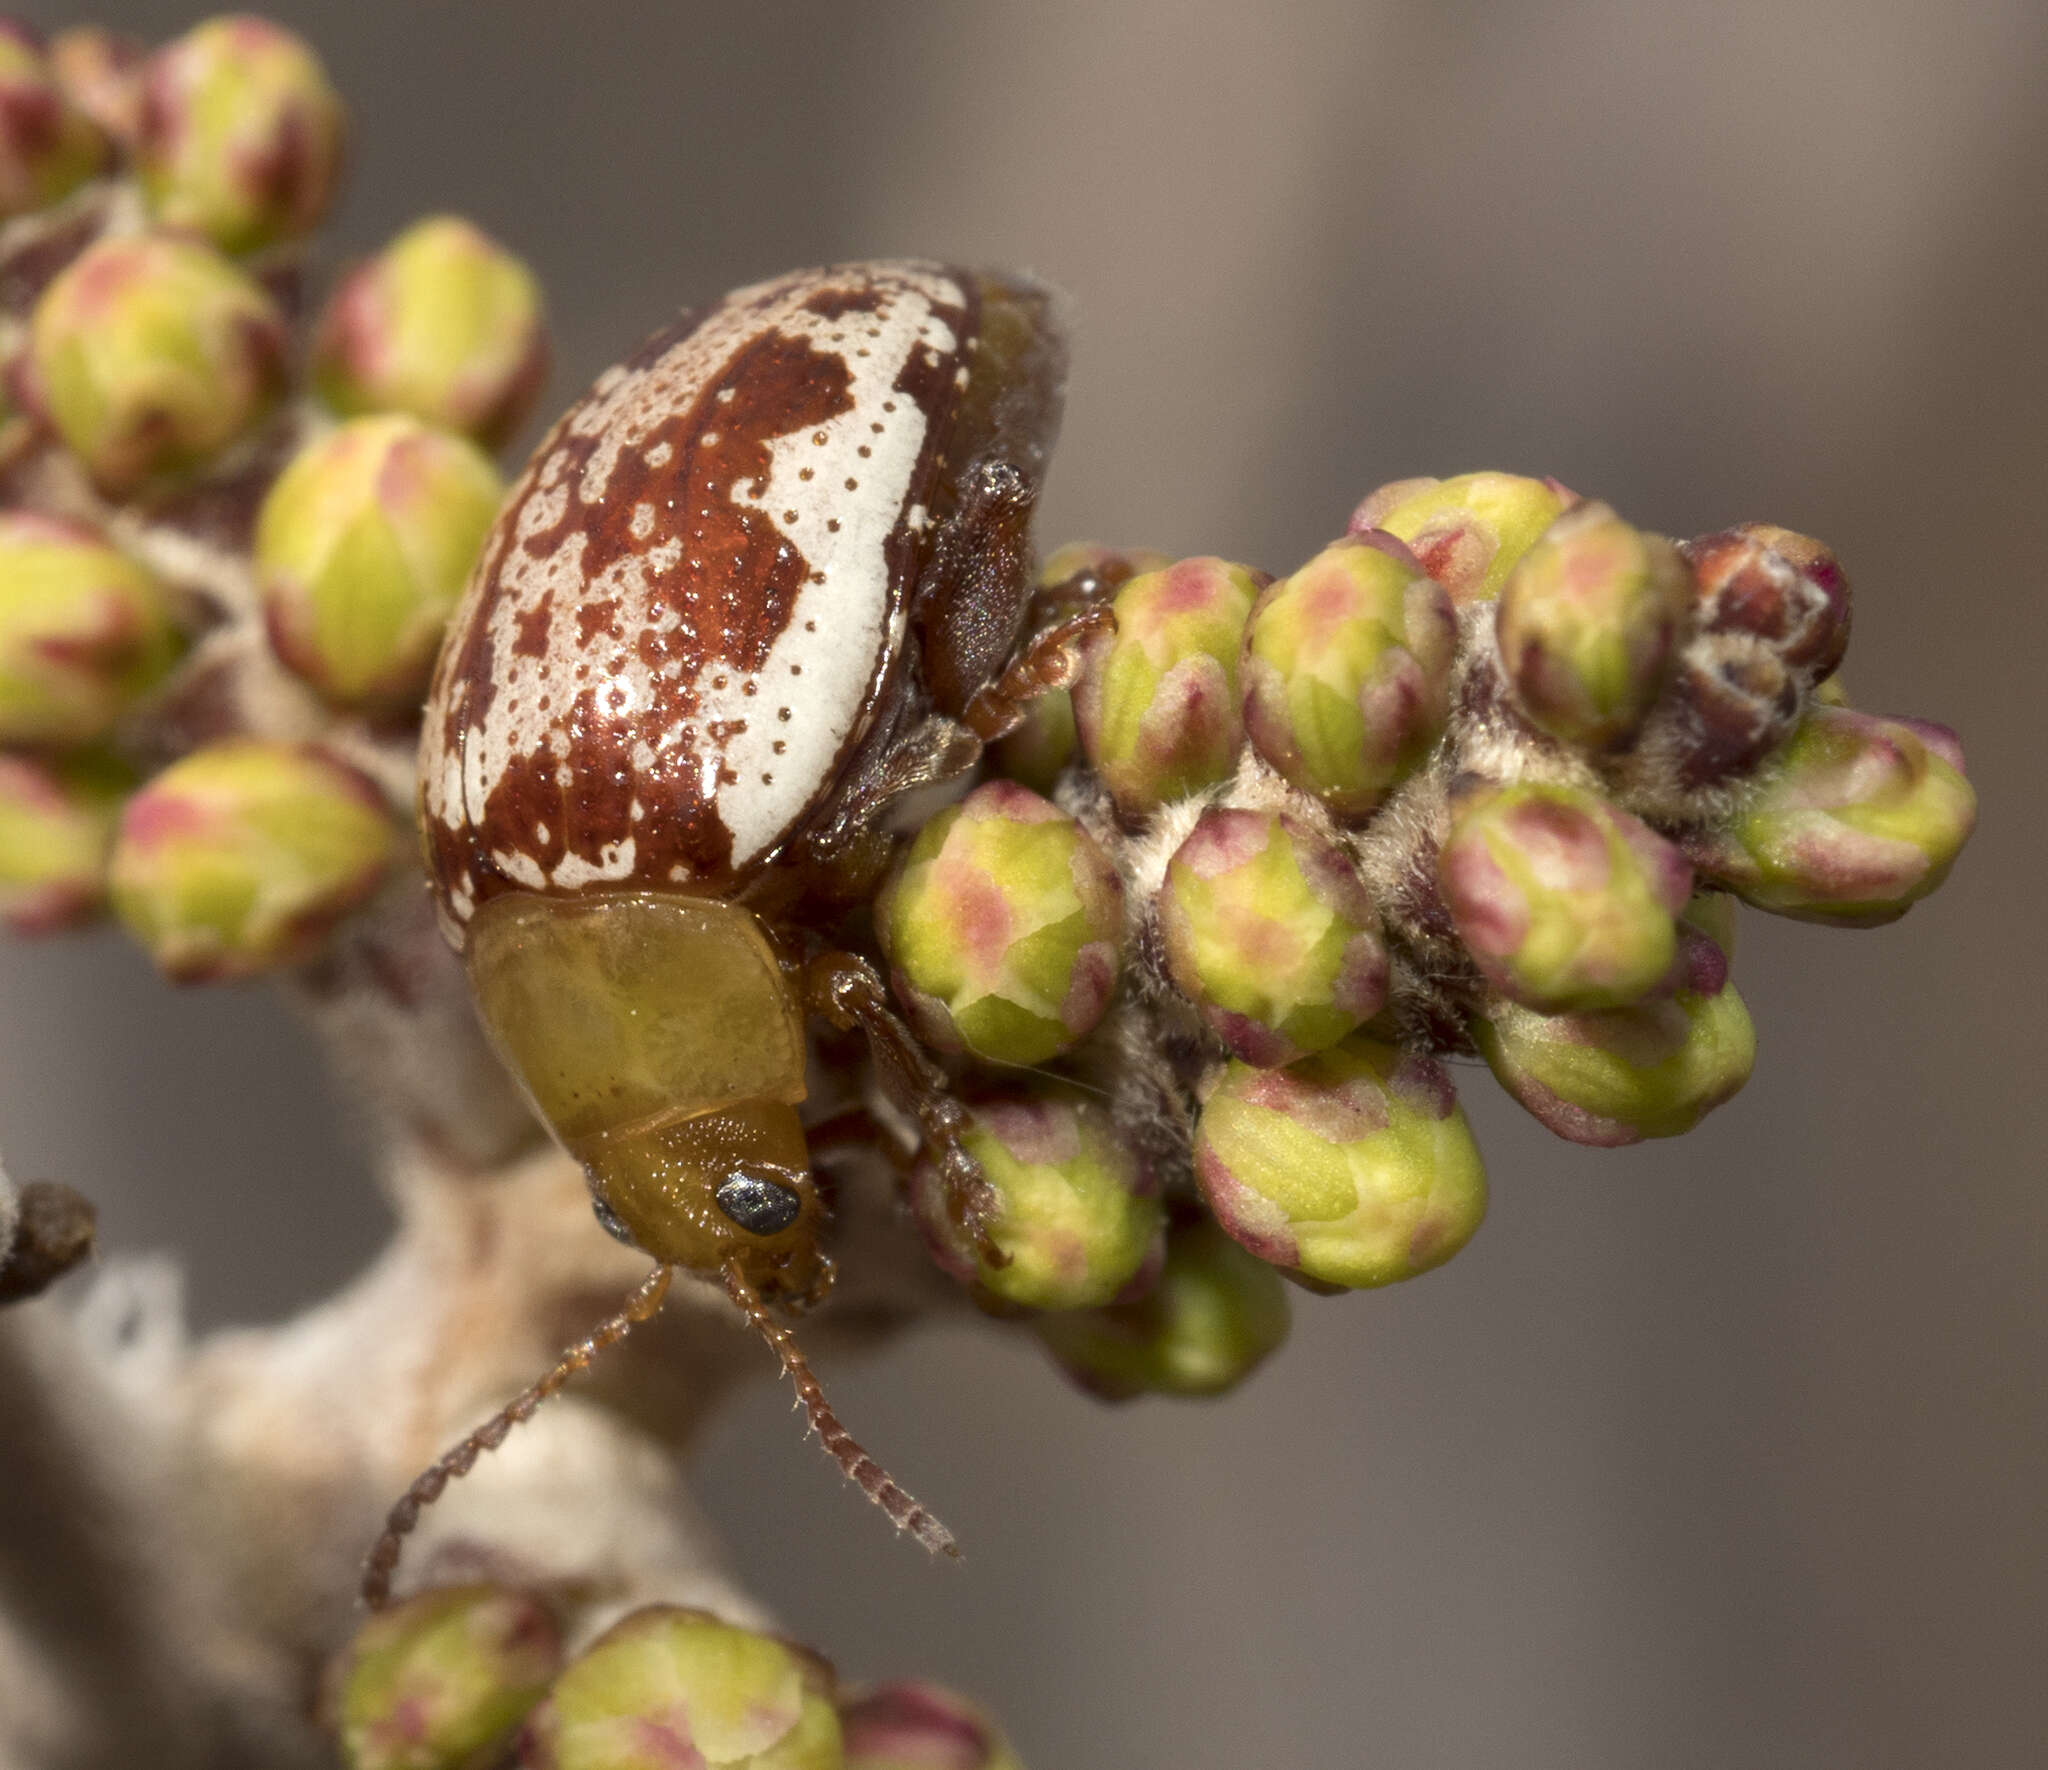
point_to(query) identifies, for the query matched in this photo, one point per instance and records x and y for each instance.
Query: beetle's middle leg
(846, 990)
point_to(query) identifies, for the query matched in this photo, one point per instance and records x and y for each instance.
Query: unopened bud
(1065, 1204)
(48, 146)
(1784, 588)
(1352, 1168)
(1564, 901)
(241, 133)
(667, 1687)
(1347, 672)
(919, 1726)
(1214, 1316)
(1467, 533)
(441, 1680)
(150, 353)
(56, 832)
(1158, 701)
(1271, 933)
(241, 857)
(444, 323)
(362, 549)
(1088, 569)
(101, 73)
(1652, 1069)
(1003, 926)
(84, 631)
(1587, 623)
(1859, 818)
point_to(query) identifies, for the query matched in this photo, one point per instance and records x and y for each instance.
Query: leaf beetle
(766, 578)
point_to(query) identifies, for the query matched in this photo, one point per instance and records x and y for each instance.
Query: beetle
(767, 577)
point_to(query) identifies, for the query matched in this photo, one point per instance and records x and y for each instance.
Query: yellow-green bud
(1214, 1316)
(1157, 701)
(1468, 532)
(1587, 623)
(84, 631)
(1003, 926)
(1066, 1203)
(1353, 1167)
(440, 1681)
(1859, 818)
(101, 73)
(241, 133)
(667, 1687)
(1271, 933)
(1652, 1069)
(1347, 672)
(444, 323)
(48, 146)
(242, 856)
(56, 832)
(919, 1726)
(149, 354)
(362, 549)
(1564, 901)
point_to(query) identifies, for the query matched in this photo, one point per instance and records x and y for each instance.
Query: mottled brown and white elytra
(768, 576)
(695, 610)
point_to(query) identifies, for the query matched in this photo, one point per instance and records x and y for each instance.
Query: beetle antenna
(382, 1561)
(854, 1463)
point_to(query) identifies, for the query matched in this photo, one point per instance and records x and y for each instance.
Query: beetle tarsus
(843, 1448)
(382, 1561)
(1052, 660)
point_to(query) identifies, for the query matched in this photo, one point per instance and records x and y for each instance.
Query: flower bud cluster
(464, 1677)
(1486, 776)
(178, 510)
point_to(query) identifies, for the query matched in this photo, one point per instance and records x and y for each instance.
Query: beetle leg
(1051, 660)
(972, 598)
(846, 990)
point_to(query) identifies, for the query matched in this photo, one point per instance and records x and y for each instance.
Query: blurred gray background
(1730, 1451)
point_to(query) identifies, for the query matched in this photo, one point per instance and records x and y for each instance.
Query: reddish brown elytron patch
(624, 730)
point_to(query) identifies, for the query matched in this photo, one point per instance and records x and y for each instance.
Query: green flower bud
(1040, 750)
(1157, 702)
(1652, 1069)
(101, 73)
(444, 323)
(1003, 925)
(1353, 1167)
(919, 1726)
(149, 354)
(244, 854)
(1065, 1202)
(1859, 818)
(1213, 1318)
(1271, 933)
(241, 133)
(1347, 672)
(362, 549)
(1587, 623)
(84, 631)
(56, 831)
(1564, 901)
(441, 1680)
(666, 1688)
(1467, 533)
(48, 147)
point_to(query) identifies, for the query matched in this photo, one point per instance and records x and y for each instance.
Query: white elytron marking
(837, 637)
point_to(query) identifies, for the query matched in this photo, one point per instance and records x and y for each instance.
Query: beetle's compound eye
(611, 1222)
(759, 1206)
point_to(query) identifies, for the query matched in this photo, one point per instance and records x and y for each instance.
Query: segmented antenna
(854, 1463)
(405, 1516)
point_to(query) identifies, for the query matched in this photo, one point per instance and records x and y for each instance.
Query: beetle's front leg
(972, 598)
(848, 993)
(1051, 660)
